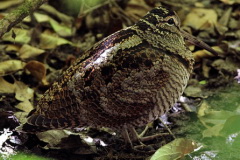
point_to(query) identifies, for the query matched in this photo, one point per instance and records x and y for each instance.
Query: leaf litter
(33, 56)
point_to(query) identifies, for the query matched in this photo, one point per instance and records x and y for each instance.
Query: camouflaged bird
(128, 79)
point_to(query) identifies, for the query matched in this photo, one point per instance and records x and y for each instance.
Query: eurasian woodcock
(126, 80)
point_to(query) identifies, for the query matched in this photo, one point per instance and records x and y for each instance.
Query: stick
(17, 15)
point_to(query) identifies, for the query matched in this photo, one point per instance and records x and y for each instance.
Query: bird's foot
(137, 141)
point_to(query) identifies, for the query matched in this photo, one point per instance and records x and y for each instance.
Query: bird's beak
(193, 40)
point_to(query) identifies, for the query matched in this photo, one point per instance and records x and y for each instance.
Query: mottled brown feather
(128, 79)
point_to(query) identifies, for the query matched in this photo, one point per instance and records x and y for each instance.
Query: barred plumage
(128, 79)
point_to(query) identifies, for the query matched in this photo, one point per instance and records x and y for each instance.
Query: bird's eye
(171, 21)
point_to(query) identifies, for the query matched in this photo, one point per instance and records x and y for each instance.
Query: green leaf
(212, 131)
(25, 156)
(216, 117)
(231, 125)
(175, 150)
(203, 82)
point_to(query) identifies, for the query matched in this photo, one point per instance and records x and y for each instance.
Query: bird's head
(165, 24)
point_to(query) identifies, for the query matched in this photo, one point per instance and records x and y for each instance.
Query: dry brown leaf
(23, 36)
(12, 47)
(53, 137)
(63, 17)
(62, 29)
(229, 65)
(9, 3)
(10, 66)
(21, 116)
(205, 69)
(6, 87)
(200, 18)
(201, 54)
(225, 17)
(38, 70)
(49, 40)
(230, 1)
(137, 9)
(221, 26)
(22, 91)
(28, 51)
(25, 106)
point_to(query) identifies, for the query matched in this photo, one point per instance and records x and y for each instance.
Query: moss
(26, 8)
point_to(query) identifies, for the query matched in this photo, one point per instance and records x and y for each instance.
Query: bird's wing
(58, 106)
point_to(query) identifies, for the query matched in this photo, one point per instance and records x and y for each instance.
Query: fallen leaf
(22, 117)
(231, 125)
(213, 117)
(230, 1)
(52, 137)
(27, 19)
(7, 4)
(6, 87)
(25, 106)
(203, 109)
(201, 54)
(84, 6)
(23, 36)
(12, 47)
(206, 69)
(10, 66)
(136, 9)
(229, 65)
(22, 91)
(38, 70)
(201, 19)
(223, 21)
(28, 51)
(53, 11)
(175, 150)
(62, 29)
(212, 131)
(49, 40)
(234, 25)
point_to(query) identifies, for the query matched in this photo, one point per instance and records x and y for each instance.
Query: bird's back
(129, 78)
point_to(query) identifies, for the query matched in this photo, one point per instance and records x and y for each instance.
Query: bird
(126, 80)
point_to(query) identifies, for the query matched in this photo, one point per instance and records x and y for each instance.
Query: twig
(19, 14)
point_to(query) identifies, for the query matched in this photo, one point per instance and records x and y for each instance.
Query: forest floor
(204, 123)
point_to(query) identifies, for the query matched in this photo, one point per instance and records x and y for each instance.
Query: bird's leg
(135, 136)
(167, 128)
(144, 131)
(130, 135)
(148, 138)
(141, 138)
(126, 136)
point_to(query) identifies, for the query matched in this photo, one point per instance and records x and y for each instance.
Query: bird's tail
(29, 128)
(40, 123)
